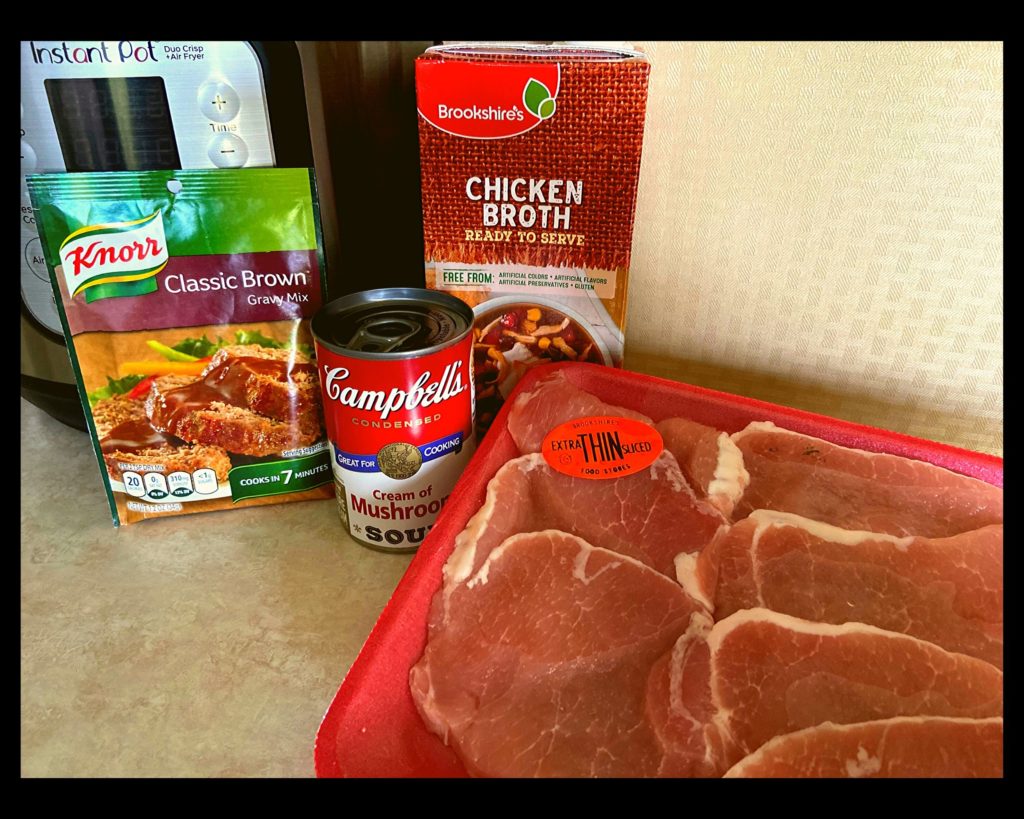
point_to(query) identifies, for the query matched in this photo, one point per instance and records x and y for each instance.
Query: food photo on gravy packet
(185, 297)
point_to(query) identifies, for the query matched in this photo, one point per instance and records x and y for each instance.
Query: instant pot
(347, 108)
(112, 105)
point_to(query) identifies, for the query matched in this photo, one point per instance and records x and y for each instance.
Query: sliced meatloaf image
(112, 412)
(281, 393)
(250, 400)
(127, 439)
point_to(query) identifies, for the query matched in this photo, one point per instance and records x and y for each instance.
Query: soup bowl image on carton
(513, 335)
(530, 157)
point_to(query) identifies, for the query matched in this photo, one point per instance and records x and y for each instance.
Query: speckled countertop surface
(209, 645)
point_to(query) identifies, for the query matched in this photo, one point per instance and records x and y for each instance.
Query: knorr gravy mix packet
(529, 158)
(186, 298)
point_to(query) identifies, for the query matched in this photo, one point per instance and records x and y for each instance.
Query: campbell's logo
(115, 258)
(486, 100)
(423, 392)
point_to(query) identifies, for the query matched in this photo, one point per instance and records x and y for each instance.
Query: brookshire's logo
(423, 393)
(115, 259)
(486, 100)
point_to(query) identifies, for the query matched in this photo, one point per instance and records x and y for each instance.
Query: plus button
(219, 101)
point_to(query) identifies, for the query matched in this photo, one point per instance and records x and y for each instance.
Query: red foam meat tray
(372, 728)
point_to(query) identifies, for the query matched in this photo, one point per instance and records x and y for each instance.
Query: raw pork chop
(724, 691)
(900, 747)
(711, 462)
(553, 401)
(651, 516)
(948, 591)
(854, 489)
(541, 668)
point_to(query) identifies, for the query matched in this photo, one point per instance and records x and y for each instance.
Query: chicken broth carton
(529, 157)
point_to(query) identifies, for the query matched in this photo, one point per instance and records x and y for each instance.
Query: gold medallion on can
(399, 460)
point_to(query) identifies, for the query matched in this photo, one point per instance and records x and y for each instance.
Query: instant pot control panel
(116, 105)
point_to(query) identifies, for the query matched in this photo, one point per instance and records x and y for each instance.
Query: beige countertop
(208, 645)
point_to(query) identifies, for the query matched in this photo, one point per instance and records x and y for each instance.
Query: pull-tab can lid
(391, 323)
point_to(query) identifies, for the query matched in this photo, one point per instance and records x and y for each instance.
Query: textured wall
(820, 224)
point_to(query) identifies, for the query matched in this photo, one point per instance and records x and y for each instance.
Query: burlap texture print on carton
(529, 158)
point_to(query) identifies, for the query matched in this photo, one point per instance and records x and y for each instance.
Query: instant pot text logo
(486, 100)
(423, 393)
(80, 53)
(115, 259)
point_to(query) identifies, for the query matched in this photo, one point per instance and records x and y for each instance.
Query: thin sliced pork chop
(651, 516)
(709, 459)
(948, 591)
(724, 691)
(541, 668)
(910, 747)
(553, 401)
(854, 489)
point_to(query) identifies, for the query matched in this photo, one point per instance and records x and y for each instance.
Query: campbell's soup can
(395, 369)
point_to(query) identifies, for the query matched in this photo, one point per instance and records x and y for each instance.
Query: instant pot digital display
(113, 123)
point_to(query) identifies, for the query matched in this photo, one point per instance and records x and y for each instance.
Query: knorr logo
(115, 259)
(486, 100)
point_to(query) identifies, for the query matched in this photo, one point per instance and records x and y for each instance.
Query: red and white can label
(601, 446)
(401, 433)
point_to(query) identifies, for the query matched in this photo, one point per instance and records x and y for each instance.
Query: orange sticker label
(601, 446)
